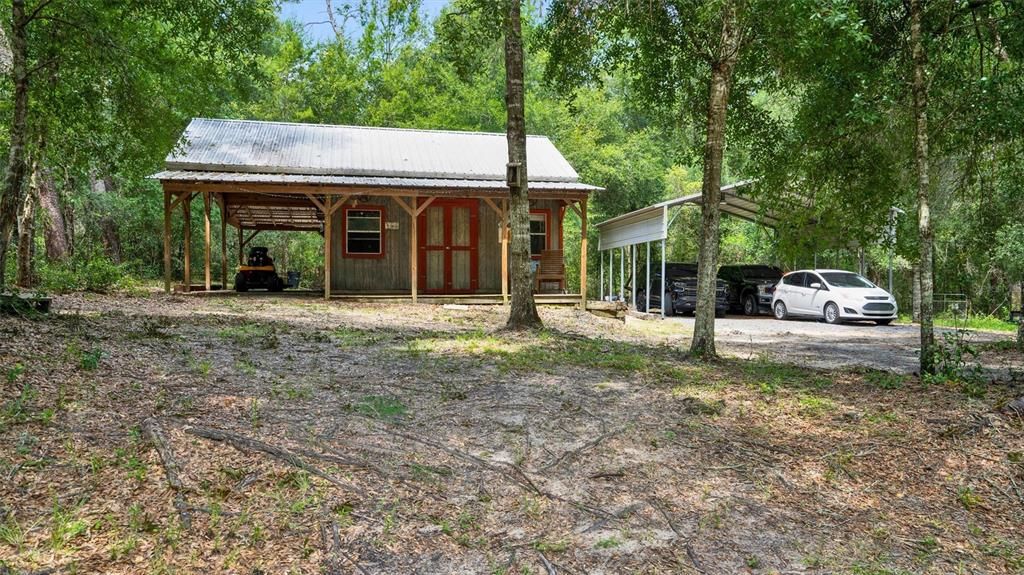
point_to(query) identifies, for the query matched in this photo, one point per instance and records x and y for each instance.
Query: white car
(833, 295)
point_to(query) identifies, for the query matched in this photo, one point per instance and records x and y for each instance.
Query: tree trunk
(55, 227)
(14, 179)
(703, 345)
(107, 223)
(1017, 304)
(26, 235)
(523, 312)
(924, 224)
(916, 311)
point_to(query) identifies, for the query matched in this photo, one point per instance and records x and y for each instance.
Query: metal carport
(651, 224)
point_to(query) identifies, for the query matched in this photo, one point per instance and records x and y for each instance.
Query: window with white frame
(538, 233)
(363, 235)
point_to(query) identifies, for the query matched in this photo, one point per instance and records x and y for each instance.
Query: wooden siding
(391, 272)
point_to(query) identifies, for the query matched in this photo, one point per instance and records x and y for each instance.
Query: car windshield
(846, 280)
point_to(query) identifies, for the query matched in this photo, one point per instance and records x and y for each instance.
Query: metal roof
(211, 145)
(651, 223)
(360, 181)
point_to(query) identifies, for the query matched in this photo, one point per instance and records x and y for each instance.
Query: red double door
(448, 237)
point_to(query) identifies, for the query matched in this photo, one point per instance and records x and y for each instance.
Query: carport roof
(651, 223)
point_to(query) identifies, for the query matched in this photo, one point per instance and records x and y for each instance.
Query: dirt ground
(251, 435)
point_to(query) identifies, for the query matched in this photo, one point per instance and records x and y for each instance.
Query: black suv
(750, 287)
(681, 291)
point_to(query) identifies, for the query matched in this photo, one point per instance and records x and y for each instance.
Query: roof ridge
(349, 126)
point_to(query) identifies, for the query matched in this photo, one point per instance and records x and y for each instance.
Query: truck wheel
(749, 305)
(666, 304)
(641, 301)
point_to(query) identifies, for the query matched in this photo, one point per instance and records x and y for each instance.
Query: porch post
(223, 244)
(583, 254)
(167, 242)
(663, 302)
(600, 261)
(186, 207)
(414, 273)
(632, 273)
(241, 245)
(328, 216)
(206, 240)
(647, 285)
(504, 251)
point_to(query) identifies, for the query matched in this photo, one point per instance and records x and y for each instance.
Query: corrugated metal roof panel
(316, 149)
(362, 181)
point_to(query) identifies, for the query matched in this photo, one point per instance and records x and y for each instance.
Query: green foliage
(94, 274)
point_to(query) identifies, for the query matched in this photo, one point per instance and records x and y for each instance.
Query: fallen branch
(244, 443)
(151, 427)
(572, 454)
(547, 564)
(333, 553)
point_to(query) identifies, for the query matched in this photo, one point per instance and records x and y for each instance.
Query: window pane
(537, 244)
(361, 244)
(537, 226)
(364, 224)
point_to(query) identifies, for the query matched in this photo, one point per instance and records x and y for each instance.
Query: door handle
(447, 247)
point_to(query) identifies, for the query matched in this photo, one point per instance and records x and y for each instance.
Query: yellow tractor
(258, 273)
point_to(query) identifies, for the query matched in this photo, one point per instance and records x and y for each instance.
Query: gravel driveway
(818, 344)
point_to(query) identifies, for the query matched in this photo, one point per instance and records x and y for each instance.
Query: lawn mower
(258, 273)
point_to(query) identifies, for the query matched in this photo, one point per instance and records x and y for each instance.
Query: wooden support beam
(493, 205)
(583, 253)
(186, 208)
(328, 213)
(223, 244)
(180, 197)
(206, 241)
(249, 239)
(241, 245)
(316, 202)
(504, 251)
(167, 242)
(414, 271)
(333, 205)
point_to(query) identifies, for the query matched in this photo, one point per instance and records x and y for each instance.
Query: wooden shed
(411, 212)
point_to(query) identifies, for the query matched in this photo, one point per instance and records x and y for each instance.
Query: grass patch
(250, 334)
(380, 407)
(983, 322)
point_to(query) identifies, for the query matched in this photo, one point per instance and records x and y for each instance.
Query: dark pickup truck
(750, 287)
(681, 289)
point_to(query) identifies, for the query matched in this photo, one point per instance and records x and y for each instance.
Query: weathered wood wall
(391, 273)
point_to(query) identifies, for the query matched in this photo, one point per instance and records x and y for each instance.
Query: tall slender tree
(523, 312)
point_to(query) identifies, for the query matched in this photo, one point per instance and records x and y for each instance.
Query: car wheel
(641, 301)
(780, 310)
(750, 305)
(667, 305)
(832, 314)
(883, 321)
(719, 313)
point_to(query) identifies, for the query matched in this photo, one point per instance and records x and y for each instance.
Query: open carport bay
(818, 344)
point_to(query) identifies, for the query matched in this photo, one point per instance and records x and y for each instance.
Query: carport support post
(167, 242)
(622, 273)
(600, 260)
(663, 302)
(632, 274)
(206, 241)
(647, 284)
(328, 216)
(611, 273)
(186, 208)
(414, 273)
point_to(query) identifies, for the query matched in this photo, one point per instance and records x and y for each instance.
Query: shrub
(96, 274)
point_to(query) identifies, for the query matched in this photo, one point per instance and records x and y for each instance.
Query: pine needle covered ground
(251, 435)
